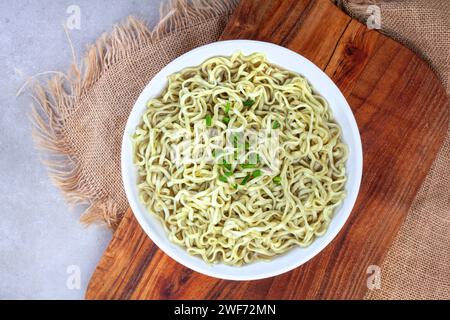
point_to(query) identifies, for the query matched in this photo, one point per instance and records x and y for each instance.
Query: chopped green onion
(223, 178)
(249, 103)
(227, 108)
(275, 125)
(228, 173)
(234, 186)
(226, 120)
(256, 173)
(277, 180)
(226, 165)
(208, 120)
(248, 166)
(247, 177)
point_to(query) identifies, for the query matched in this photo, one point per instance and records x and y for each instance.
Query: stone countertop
(43, 247)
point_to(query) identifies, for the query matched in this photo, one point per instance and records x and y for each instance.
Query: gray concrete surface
(42, 244)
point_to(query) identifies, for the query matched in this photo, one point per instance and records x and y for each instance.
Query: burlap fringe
(58, 98)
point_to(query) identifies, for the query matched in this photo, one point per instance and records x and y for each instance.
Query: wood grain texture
(401, 110)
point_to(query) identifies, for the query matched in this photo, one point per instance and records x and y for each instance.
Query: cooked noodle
(239, 202)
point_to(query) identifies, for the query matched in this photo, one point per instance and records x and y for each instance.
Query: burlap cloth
(80, 117)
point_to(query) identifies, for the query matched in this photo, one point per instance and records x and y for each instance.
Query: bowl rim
(169, 248)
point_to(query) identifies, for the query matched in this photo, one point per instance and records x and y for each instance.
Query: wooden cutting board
(401, 110)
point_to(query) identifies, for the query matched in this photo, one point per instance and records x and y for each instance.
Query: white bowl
(342, 113)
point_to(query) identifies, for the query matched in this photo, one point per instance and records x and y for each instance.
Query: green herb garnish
(248, 166)
(277, 180)
(208, 120)
(248, 102)
(227, 108)
(228, 173)
(256, 173)
(223, 179)
(247, 177)
(226, 120)
(275, 125)
(226, 165)
(234, 186)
